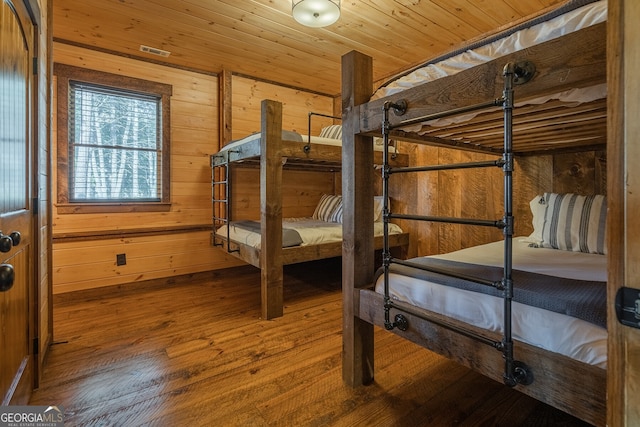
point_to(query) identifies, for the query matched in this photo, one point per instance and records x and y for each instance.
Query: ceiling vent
(154, 51)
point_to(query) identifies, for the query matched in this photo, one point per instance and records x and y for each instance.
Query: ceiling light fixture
(316, 13)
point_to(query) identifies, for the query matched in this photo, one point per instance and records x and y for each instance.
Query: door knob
(7, 242)
(7, 276)
(15, 237)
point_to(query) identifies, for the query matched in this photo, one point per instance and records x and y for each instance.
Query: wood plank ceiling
(259, 38)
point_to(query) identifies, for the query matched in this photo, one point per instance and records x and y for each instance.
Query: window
(113, 142)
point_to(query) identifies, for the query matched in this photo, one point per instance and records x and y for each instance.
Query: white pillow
(332, 132)
(575, 223)
(326, 206)
(377, 208)
(538, 207)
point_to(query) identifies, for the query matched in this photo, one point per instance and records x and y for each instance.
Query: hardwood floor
(196, 353)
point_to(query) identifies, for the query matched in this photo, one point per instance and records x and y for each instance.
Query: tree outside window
(113, 142)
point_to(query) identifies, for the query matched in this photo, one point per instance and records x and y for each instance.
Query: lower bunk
(303, 239)
(563, 346)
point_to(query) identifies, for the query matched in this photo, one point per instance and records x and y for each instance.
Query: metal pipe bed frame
(515, 372)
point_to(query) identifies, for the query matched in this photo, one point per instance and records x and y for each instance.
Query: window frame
(66, 73)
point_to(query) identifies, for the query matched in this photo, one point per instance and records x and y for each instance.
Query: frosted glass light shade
(316, 13)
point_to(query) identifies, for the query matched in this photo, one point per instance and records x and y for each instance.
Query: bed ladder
(515, 372)
(221, 199)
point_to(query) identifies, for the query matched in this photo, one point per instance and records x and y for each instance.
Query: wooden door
(17, 290)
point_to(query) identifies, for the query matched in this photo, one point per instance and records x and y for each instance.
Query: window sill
(88, 208)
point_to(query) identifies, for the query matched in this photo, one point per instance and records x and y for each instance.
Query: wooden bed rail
(575, 60)
(559, 380)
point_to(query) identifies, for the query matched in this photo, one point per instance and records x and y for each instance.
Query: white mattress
(303, 139)
(312, 231)
(575, 338)
(571, 21)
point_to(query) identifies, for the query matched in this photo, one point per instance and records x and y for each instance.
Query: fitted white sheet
(312, 231)
(303, 139)
(552, 331)
(571, 21)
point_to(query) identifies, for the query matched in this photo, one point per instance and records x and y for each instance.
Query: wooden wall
(165, 244)
(478, 193)
(301, 191)
(156, 244)
(296, 104)
(301, 188)
(42, 182)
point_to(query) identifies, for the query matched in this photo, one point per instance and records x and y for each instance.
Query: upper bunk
(562, 107)
(296, 150)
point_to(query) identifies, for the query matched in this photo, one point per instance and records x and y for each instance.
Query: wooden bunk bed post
(623, 225)
(271, 274)
(357, 196)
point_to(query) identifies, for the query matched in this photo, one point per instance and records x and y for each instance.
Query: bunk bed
(510, 106)
(272, 150)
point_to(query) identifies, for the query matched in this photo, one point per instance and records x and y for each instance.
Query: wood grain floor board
(196, 353)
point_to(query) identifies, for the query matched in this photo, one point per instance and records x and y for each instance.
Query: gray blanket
(290, 237)
(585, 300)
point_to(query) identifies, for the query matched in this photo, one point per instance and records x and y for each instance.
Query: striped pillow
(377, 211)
(326, 206)
(575, 223)
(336, 216)
(333, 132)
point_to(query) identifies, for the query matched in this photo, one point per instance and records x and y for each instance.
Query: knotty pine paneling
(296, 105)
(478, 193)
(88, 264)
(301, 190)
(261, 39)
(580, 173)
(194, 136)
(192, 141)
